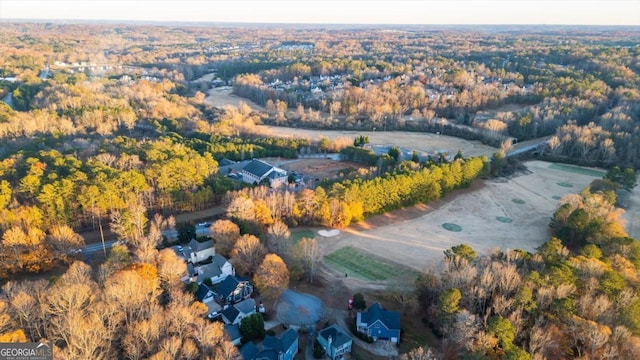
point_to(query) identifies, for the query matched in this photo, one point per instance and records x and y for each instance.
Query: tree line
(340, 203)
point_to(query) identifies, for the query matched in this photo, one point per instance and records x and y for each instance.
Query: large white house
(216, 271)
(196, 251)
(257, 171)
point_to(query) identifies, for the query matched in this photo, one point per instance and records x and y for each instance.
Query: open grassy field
(296, 236)
(362, 265)
(528, 201)
(423, 143)
(578, 170)
(222, 96)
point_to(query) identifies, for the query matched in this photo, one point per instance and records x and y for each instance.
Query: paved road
(92, 248)
(527, 146)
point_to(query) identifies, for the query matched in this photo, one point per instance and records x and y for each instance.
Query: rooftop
(338, 336)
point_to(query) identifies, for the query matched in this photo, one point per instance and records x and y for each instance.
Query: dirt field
(222, 96)
(424, 143)
(314, 168)
(418, 242)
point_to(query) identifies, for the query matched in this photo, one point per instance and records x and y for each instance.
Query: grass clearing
(296, 236)
(577, 170)
(416, 334)
(363, 265)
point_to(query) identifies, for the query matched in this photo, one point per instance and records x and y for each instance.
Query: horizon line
(125, 21)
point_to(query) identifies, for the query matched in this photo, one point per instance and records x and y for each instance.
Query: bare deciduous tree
(171, 268)
(63, 240)
(225, 233)
(308, 250)
(278, 234)
(248, 254)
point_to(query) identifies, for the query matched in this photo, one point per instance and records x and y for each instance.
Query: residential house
(233, 289)
(209, 271)
(225, 266)
(207, 296)
(257, 171)
(335, 342)
(234, 333)
(200, 251)
(379, 323)
(249, 351)
(286, 345)
(235, 313)
(216, 271)
(192, 273)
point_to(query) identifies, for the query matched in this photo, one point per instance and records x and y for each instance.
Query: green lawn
(577, 170)
(296, 236)
(362, 265)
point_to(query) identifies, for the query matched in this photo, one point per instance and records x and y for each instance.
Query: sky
(566, 12)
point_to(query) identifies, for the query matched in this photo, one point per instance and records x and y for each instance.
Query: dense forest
(108, 127)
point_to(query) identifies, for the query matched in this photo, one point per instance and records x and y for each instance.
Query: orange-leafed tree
(272, 277)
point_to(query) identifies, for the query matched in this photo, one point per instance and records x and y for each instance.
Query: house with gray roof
(206, 295)
(335, 342)
(286, 345)
(249, 351)
(257, 171)
(234, 334)
(200, 251)
(216, 271)
(233, 289)
(235, 313)
(283, 347)
(379, 323)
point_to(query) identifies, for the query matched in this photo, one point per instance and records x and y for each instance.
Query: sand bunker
(328, 233)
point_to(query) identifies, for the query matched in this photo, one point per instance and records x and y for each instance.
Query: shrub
(252, 327)
(318, 351)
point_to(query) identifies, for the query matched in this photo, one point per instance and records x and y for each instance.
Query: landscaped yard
(362, 265)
